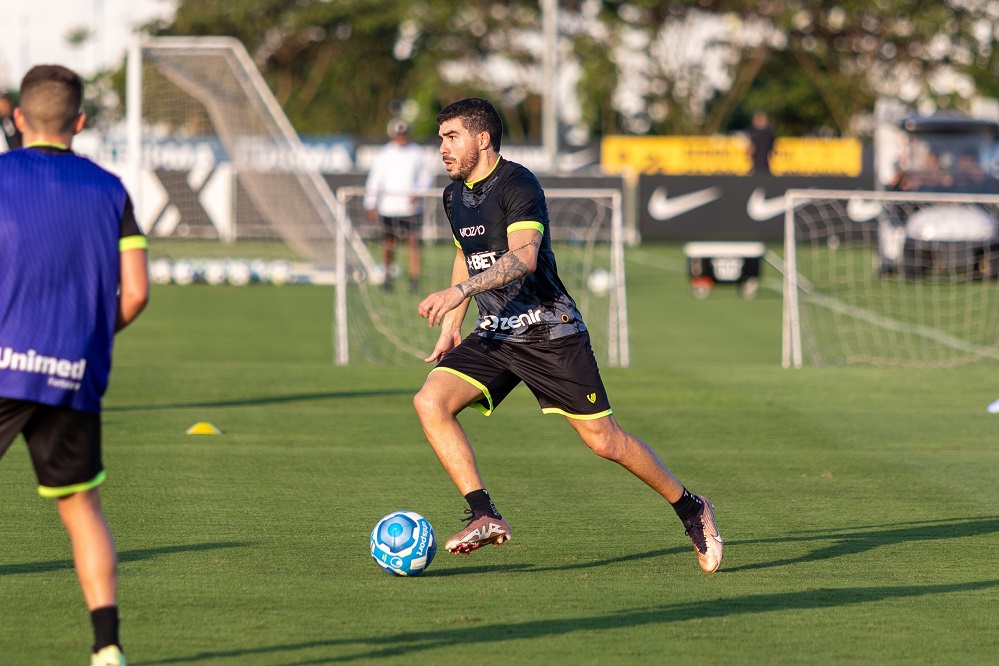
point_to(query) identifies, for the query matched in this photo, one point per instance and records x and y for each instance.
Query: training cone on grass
(203, 428)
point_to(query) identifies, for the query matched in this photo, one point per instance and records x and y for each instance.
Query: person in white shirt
(393, 191)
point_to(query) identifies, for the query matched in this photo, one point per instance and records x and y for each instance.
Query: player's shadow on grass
(477, 638)
(854, 541)
(846, 541)
(136, 555)
(263, 400)
(590, 564)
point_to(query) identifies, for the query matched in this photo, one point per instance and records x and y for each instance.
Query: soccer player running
(528, 330)
(72, 274)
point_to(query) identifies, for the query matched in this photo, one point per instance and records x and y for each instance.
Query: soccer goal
(890, 279)
(376, 319)
(214, 160)
(217, 171)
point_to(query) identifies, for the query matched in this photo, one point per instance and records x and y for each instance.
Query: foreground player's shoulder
(522, 195)
(518, 176)
(96, 172)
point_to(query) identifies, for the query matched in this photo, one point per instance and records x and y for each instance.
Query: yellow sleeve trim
(520, 226)
(66, 491)
(456, 243)
(133, 243)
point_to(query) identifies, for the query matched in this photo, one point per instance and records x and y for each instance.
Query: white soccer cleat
(482, 530)
(108, 656)
(703, 533)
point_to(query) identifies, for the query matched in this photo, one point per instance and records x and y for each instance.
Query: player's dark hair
(477, 115)
(50, 99)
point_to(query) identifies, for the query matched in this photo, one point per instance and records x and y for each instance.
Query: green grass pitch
(859, 506)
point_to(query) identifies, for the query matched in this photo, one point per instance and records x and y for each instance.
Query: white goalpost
(890, 279)
(216, 170)
(212, 155)
(376, 312)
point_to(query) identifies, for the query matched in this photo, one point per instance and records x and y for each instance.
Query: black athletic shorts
(65, 444)
(562, 373)
(401, 227)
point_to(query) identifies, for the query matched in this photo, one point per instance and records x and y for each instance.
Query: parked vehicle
(947, 154)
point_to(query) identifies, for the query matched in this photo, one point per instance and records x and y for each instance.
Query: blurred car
(947, 154)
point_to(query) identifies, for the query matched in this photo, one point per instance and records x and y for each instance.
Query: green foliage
(347, 66)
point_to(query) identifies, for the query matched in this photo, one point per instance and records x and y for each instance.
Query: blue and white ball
(599, 282)
(403, 543)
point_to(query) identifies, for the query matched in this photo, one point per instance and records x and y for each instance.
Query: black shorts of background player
(398, 229)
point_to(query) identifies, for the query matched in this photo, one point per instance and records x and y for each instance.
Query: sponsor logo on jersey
(592, 397)
(469, 232)
(480, 261)
(494, 323)
(63, 373)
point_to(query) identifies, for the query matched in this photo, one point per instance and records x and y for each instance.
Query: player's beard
(464, 166)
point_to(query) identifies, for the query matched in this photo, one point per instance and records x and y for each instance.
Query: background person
(528, 330)
(72, 274)
(399, 174)
(761, 143)
(11, 136)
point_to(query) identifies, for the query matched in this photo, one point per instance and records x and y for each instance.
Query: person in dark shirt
(761, 143)
(528, 330)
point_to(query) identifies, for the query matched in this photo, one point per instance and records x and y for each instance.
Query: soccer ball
(238, 273)
(160, 271)
(214, 272)
(377, 275)
(403, 543)
(279, 272)
(599, 282)
(184, 272)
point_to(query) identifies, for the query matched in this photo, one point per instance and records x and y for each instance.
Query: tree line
(642, 67)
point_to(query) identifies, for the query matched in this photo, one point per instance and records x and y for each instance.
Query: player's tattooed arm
(508, 268)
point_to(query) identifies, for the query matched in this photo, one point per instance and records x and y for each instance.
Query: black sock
(687, 505)
(478, 500)
(105, 621)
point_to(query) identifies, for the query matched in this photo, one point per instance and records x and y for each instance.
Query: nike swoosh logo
(761, 209)
(860, 210)
(662, 207)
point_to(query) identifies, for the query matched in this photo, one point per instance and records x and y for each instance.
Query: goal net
(227, 193)
(890, 279)
(376, 318)
(217, 161)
